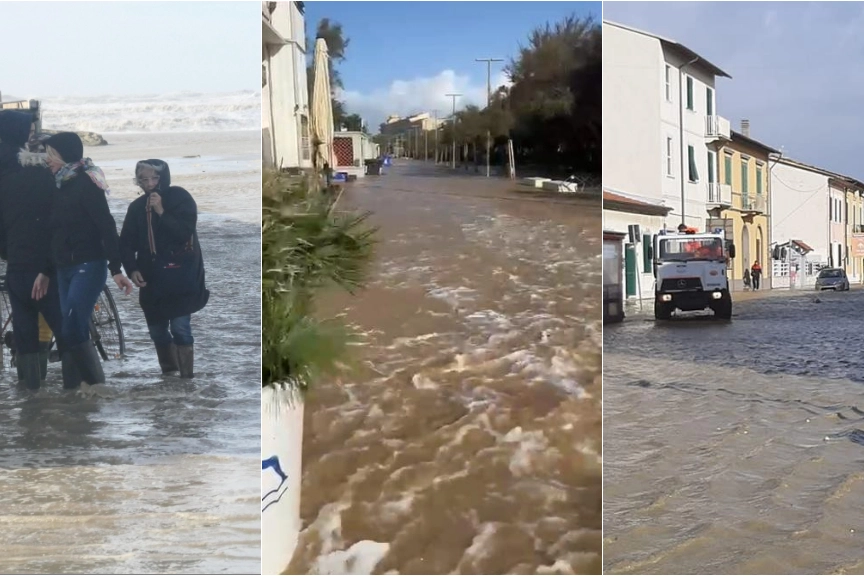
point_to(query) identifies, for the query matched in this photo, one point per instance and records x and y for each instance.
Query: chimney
(745, 128)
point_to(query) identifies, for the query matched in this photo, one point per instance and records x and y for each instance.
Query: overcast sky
(797, 69)
(122, 48)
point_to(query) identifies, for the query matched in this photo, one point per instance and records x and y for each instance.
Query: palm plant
(306, 246)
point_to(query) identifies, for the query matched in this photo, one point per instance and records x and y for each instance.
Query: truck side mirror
(731, 250)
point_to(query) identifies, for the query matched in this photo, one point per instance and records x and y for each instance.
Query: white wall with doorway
(614, 221)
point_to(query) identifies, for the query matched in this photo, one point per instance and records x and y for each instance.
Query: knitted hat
(68, 145)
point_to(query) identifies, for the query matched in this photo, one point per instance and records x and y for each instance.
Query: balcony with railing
(717, 128)
(754, 204)
(719, 195)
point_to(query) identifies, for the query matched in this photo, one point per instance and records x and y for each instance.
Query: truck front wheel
(723, 309)
(662, 311)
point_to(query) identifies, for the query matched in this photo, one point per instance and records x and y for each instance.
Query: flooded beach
(160, 475)
(736, 447)
(467, 438)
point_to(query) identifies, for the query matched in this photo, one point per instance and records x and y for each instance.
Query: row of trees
(551, 110)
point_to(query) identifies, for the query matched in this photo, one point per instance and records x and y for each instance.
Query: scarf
(95, 173)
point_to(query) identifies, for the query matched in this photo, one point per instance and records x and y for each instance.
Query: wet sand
(469, 438)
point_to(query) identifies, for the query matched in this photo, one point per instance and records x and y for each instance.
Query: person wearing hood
(26, 195)
(85, 245)
(160, 252)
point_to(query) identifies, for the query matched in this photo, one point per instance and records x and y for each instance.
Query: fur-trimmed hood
(26, 158)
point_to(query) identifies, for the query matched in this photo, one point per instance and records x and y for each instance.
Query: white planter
(281, 452)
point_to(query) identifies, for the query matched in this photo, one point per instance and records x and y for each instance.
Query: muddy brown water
(736, 447)
(468, 437)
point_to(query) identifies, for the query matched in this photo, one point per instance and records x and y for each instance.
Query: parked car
(832, 279)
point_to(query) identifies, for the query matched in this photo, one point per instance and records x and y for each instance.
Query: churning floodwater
(468, 438)
(737, 447)
(157, 475)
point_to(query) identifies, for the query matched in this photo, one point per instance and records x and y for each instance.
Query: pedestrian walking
(161, 254)
(26, 196)
(756, 273)
(84, 246)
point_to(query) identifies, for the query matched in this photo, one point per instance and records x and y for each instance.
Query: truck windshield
(682, 249)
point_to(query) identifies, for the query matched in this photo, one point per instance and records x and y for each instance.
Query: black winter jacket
(171, 232)
(26, 193)
(84, 229)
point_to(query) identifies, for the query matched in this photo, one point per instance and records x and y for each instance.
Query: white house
(661, 132)
(285, 110)
(803, 207)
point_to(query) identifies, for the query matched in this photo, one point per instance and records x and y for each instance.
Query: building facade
(285, 126)
(661, 129)
(745, 168)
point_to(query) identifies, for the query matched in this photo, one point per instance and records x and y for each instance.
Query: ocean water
(175, 112)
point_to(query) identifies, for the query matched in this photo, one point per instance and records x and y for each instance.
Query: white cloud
(406, 97)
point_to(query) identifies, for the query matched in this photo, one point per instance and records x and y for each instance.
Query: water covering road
(737, 447)
(468, 439)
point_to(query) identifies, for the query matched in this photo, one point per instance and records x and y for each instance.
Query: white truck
(690, 273)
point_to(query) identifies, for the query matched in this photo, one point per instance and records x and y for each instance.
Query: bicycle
(106, 330)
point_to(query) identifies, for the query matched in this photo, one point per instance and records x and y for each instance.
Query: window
(759, 179)
(690, 93)
(745, 189)
(668, 83)
(691, 157)
(709, 101)
(712, 178)
(669, 156)
(727, 168)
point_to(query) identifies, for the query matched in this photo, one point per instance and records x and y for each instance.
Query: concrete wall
(614, 221)
(632, 137)
(799, 208)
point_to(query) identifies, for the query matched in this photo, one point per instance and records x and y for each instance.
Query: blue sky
(797, 69)
(404, 56)
(121, 48)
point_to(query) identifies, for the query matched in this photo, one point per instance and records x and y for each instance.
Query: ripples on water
(157, 477)
(468, 438)
(737, 447)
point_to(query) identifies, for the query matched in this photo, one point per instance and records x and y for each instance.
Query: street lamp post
(489, 62)
(453, 159)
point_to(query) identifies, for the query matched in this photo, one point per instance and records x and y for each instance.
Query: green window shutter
(711, 178)
(758, 180)
(646, 253)
(709, 101)
(689, 93)
(744, 188)
(691, 156)
(728, 166)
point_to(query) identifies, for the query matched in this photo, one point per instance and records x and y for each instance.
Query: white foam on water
(530, 444)
(177, 112)
(361, 558)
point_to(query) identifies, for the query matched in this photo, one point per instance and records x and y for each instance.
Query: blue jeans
(180, 334)
(80, 286)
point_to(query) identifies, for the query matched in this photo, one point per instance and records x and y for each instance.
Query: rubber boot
(44, 349)
(29, 364)
(87, 361)
(167, 358)
(71, 374)
(186, 360)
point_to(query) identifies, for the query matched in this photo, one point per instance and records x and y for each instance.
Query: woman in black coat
(26, 194)
(161, 254)
(84, 247)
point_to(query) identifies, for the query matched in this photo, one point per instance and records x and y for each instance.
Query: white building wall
(632, 146)
(614, 221)
(800, 208)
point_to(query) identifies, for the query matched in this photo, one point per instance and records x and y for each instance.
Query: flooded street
(468, 437)
(737, 447)
(161, 476)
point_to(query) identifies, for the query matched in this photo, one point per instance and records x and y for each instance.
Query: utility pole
(489, 62)
(453, 159)
(435, 112)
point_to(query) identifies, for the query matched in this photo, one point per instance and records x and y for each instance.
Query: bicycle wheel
(106, 328)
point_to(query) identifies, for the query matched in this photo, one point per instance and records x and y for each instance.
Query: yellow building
(854, 232)
(744, 165)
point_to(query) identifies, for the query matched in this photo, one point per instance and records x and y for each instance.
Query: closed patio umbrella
(322, 107)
